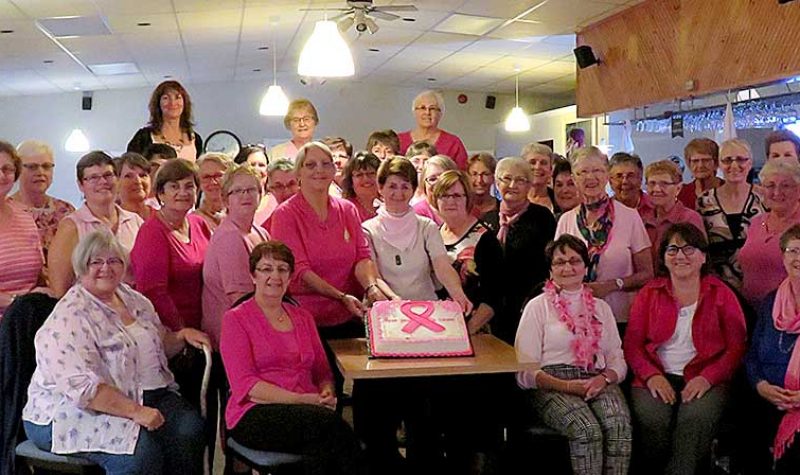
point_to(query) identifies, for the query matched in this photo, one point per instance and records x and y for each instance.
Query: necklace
(172, 225)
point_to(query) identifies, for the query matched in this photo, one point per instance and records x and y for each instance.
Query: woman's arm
(174, 342)
(60, 257)
(265, 393)
(734, 332)
(449, 278)
(110, 400)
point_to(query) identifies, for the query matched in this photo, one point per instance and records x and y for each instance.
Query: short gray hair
(94, 243)
(301, 154)
(623, 158)
(536, 148)
(517, 164)
(29, 148)
(221, 159)
(781, 167)
(281, 164)
(442, 161)
(436, 95)
(585, 153)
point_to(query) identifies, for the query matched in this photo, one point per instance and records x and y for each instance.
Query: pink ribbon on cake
(420, 319)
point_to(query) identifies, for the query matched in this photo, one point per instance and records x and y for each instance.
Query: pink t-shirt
(21, 257)
(253, 351)
(423, 208)
(656, 227)
(170, 272)
(329, 248)
(447, 144)
(287, 150)
(761, 261)
(127, 228)
(628, 236)
(226, 272)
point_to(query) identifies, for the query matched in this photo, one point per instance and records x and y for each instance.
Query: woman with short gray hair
(428, 108)
(102, 375)
(540, 158)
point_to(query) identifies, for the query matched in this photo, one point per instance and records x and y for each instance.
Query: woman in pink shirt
(761, 259)
(133, 173)
(20, 247)
(428, 109)
(211, 167)
(434, 166)
(360, 184)
(282, 391)
(334, 269)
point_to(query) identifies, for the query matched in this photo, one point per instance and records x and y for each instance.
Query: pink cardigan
(447, 144)
(253, 351)
(329, 248)
(718, 331)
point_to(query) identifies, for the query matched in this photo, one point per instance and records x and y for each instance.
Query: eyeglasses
(212, 177)
(482, 176)
(701, 161)
(452, 196)
(660, 184)
(282, 186)
(590, 172)
(572, 261)
(175, 187)
(510, 180)
(98, 263)
(95, 179)
(313, 165)
(243, 191)
(738, 160)
(269, 270)
(781, 187)
(430, 109)
(431, 180)
(793, 252)
(299, 120)
(626, 176)
(32, 167)
(8, 170)
(688, 250)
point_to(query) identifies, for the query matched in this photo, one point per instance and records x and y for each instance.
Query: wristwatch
(620, 283)
(606, 379)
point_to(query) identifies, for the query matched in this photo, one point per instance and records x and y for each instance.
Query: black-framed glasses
(688, 250)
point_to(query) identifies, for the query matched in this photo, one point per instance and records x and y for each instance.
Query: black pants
(349, 329)
(763, 419)
(328, 445)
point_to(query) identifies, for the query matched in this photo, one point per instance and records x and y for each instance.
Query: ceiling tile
(567, 15)
(505, 9)
(468, 24)
(495, 46)
(126, 24)
(56, 8)
(444, 41)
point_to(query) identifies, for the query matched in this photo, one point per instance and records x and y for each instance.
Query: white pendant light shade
(517, 121)
(77, 142)
(274, 102)
(326, 54)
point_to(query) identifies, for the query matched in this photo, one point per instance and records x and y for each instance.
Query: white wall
(348, 109)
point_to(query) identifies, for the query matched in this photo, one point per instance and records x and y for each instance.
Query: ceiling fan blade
(339, 16)
(383, 15)
(324, 9)
(396, 8)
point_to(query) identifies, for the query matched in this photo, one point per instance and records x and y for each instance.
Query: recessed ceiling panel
(468, 24)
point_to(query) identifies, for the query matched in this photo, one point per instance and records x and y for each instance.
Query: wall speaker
(490, 102)
(585, 56)
(86, 102)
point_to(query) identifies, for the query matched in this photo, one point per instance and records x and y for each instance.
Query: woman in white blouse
(102, 376)
(573, 336)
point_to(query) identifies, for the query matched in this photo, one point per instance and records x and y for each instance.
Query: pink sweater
(447, 144)
(170, 272)
(20, 254)
(329, 248)
(253, 351)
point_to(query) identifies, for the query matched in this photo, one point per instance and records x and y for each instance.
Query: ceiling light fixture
(326, 54)
(517, 120)
(77, 142)
(274, 103)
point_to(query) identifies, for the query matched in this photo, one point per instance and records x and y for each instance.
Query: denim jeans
(176, 448)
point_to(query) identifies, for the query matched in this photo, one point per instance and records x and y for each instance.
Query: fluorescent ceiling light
(113, 69)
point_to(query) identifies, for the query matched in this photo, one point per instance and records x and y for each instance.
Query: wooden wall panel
(651, 50)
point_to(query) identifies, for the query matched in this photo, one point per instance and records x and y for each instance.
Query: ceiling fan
(361, 12)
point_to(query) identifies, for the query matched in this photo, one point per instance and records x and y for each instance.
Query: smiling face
(7, 171)
(781, 192)
(37, 173)
(179, 196)
(663, 190)
(782, 150)
(542, 168)
(626, 181)
(514, 185)
(702, 165)
(171, 104)
(566, 191)
(104, 273)
(453, 203)
(243, 197)
(283, 185)
(365, 183)
(735, 163)
(591, 176)
(382, 151)
(427, 112)
(211, 174)
(258, 161)
(134, 184)
(317, 171)
(567, 268)
(432, 173)
(481, 178)
(99, 184)
(683, 261)
(791, 259)
(396, 192)
(302, 124)
(271, 277)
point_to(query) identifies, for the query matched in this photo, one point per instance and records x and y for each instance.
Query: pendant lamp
(274, 102)
(326, 54)
(77, 142)
(517, 120)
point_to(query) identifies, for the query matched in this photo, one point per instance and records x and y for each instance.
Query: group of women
(266, 256)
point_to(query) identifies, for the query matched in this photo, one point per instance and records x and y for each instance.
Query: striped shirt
(20, 254)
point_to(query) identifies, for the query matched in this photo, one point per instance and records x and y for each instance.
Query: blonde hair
(535, 148)
(735, 143)
(220, 159)
(28, 148)
(300, 104)
(300, 159)
(446, 181)
(240, 170)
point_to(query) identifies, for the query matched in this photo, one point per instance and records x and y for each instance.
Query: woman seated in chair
(102, 375)
(574, 337)
(282, 390)
(685, 339)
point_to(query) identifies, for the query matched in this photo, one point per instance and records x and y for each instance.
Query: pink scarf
(509, 216)
(399, 231)
(787, 319)
(586, 327)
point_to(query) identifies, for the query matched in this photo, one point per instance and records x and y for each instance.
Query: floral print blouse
(81, 345)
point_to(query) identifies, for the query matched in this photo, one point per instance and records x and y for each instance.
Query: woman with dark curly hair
(360, 184)
(170, 123)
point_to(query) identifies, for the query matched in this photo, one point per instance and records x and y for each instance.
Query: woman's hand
(148, 417)
(776, 395)
(462, 300)
(327, 397)
(353, 305)
(661, 389)
(576, 387)
(602, 289)
(375, 294)
(695, 389)
(594, 386)
(196, 338)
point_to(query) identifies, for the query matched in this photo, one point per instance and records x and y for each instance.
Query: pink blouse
(20, 254)
(127, 228)
(253, 351)
(226, 272)
(761, 261)
(447, 144)
(423, 208)
(329, 248)
(170, 272)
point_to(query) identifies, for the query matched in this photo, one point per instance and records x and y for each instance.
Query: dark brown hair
(386, 137)
(334, 142)
(9, 149)
(163, 150)
(248, 150)
(157, 117)
(419, 147)
(691, 236)
(782, 136)
(448, 180)
(564, 242)
(399, 166)
(132, 159)
(362, 161)
(93, 159)
(274, 249)
(176, 170)
(789, 235)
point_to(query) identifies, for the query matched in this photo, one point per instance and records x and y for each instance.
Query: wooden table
(492, 355)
